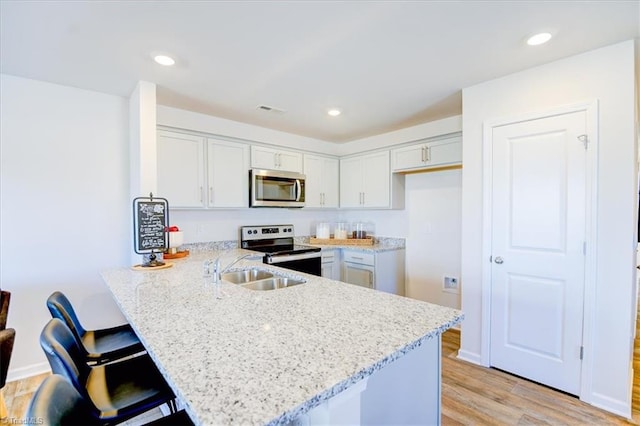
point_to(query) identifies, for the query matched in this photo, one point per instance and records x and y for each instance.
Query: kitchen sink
(260, 280)
(273, 283)
(245, 276)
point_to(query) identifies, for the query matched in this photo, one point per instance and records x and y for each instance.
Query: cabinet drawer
(359, 257)
(328, 255)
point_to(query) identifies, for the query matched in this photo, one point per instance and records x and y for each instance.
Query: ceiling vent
(269, 108)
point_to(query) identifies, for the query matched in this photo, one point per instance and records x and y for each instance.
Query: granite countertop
(266, 357)
(380, 244)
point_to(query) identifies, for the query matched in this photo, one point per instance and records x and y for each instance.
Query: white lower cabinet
(384, 271)
(331, 264)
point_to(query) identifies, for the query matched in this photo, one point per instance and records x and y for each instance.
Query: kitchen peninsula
(319, 352)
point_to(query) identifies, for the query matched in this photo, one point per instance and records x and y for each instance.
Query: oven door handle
(291, 257)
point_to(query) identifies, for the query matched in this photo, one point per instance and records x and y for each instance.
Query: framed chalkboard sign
(150, 218)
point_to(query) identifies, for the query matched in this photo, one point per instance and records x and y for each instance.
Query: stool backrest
(7, 337)
(65, 355)
(61, 308)
(57, 402)
(5, 297)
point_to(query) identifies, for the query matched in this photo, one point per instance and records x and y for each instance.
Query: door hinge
(581, 352)
(585, 140)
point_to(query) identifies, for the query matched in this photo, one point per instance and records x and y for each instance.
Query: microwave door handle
(298, 189)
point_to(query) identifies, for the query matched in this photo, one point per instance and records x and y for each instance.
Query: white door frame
(591, 110)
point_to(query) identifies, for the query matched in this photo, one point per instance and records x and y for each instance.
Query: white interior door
(538, 249)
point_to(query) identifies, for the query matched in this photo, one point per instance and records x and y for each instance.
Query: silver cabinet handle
(499, 260)
(201, 195)
(427, 151)
(210, 194)
(423, 154)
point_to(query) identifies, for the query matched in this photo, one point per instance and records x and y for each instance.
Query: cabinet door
(228, 174)
(361, 275)
(376, 180)
(426, 155)
(289, 161)
(331, 264)
(322, 183)
(330, 183)
(409, 157)
(275, 159)
(327, 270)
(351, 182)
(444, 153)
(263, 158)
(180, 161)
(313, 182)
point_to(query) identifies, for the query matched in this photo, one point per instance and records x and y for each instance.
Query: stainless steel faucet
(217, 273)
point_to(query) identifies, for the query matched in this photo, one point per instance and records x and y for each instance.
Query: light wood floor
(471, 395)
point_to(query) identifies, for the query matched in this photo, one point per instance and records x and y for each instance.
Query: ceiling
(385, 64)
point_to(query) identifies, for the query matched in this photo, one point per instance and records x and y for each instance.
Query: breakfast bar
(319, 352)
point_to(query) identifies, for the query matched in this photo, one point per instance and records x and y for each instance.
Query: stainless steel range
(276, 241)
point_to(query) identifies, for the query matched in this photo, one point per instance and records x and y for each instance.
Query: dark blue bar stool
(118, 390)
(57, 403)
(102, 345)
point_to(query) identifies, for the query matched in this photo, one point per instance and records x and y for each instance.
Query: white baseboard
(614, 406)
(469, 357)
(28, 371)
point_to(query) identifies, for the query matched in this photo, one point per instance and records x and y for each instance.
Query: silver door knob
(498, 260)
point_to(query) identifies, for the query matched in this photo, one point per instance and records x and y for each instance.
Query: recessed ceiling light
(334, 112)
(538, 39)
(164, 60)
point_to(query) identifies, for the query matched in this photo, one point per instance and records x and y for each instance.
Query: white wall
(65, 206)
(434, 207)
(181, 119)
(607, 75)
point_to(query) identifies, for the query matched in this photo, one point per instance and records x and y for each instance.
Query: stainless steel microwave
(273, 188)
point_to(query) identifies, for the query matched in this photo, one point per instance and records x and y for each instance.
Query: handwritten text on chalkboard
(151, 224)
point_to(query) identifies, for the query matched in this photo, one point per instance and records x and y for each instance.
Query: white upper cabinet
(194, 172)
(227, 174)
(275, 159)
(322, 182)
(426, 155)
(181, 171)
(366, 182)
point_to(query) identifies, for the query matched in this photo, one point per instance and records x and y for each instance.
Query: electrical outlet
(450, 284)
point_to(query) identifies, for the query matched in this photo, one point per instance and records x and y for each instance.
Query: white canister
(323, 230)
(340, 231)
